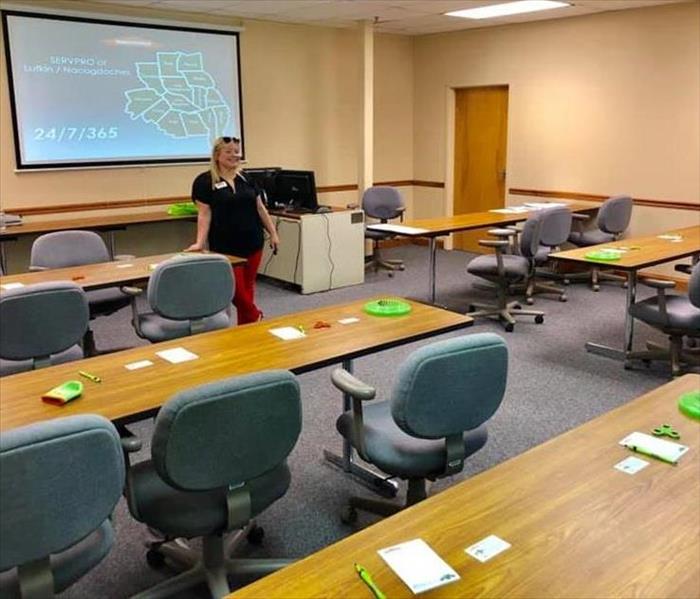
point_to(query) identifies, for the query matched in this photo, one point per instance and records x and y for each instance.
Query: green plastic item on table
(182, 209)
(604, 255)
(64, 393)
(387, 307)
(689, 404)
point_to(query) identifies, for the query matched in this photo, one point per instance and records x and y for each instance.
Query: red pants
(244, 296)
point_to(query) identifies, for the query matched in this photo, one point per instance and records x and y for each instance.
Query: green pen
(367, 579)
(651, 455)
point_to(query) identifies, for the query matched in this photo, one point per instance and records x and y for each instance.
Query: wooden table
(109, 223)
(432, 228)
(643, 252)
(127, 395)
(100, 274)
(578, 527)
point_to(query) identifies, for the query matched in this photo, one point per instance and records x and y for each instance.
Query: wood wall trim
(574, 195)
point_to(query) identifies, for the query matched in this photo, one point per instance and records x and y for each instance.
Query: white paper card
(655, 447)
(631, 465)
(511, 210)
(177, 355)
(487, 548)
(389, 228)
(124, 265)
(418, 565)
(139, 364)
(543, 205)
(8, 286)
(671, 237)
(350, 320)
(288, 333)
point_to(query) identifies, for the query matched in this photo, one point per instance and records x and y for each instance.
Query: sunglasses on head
(228, 140)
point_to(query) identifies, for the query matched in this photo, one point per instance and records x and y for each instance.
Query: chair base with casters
(211, 566)
(376, 261)
(595, 276)
(675, 353)
(505, 313)
(416, 492)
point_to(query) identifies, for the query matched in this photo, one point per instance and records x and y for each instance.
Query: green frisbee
(689, 404)
(387, 307)
(604, 255)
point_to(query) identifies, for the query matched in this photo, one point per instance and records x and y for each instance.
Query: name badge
(220, 185)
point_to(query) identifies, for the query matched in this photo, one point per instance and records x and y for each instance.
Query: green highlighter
(64, 393)
(367, 579)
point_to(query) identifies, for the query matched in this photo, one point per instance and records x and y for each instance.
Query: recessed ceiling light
(509, 8)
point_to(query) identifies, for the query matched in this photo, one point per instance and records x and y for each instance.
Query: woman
(231, 219)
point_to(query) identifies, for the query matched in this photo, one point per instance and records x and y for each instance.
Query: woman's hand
(195, 247)
(274, 242)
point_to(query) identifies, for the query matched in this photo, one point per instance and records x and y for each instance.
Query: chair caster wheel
(391, 274)
(529, 301)
(566, 282)
(647, 363)
(596, 287)
(471, 308)
(256, 535)
(517, 306)
(624, 285)
(402, 267)
(627, 365)
(348, 515)
(539, 319)
(155, 559)
(563, 298)
(509, 327)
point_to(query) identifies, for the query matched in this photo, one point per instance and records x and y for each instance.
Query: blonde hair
(219, 143)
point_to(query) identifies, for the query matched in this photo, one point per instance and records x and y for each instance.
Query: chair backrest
(60, 480)
(383, 203)
(450, 386)
(614, 214)
(530, 235)
(191, 287)
(694, 286)
(226, 433)
(62, 249)
(42, 319)
(556, 226)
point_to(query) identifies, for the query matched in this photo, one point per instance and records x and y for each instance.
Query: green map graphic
(179, 97)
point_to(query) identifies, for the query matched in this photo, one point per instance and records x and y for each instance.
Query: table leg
(3, 258)
(611, 352)
(111, 243)
(431, 269)
(346, 462)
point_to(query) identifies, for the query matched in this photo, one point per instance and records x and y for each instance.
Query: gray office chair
(60, 482)
(675, 315)
(63, 249)
(506, 270)
(443, 395)
(187, 295)
(42, 325)
(613, 219)
(218, 459)
(384, 204)
(555, 231)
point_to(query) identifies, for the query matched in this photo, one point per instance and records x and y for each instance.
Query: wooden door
(481, 133)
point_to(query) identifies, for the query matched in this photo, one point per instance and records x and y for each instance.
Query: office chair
(506, 270)
(384, 204)
(63, 249)
(42, 325)
(60, 481)
(218, 459)
(187, 295)
(443, 395)
(613, 219)
(555, 230)
(675, 315)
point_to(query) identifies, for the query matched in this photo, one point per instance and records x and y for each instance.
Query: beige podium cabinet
(317, 252)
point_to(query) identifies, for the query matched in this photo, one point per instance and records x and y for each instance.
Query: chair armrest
(134, 292)
(657, 283)
(503, 232)
(38, 268)
(493, 243)
(359, 392)
(354, 387)
(579, 216)
(684, 268)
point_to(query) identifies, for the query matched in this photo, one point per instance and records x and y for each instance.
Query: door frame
(450, 110)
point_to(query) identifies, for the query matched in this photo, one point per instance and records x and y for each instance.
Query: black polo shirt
(235, 226)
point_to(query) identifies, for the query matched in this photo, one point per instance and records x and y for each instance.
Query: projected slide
(88, 92)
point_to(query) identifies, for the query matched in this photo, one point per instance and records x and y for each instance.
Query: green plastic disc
(387, 307)
(605, 255)
(689, 404)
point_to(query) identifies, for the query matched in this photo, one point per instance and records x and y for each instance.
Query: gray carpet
(553, 385)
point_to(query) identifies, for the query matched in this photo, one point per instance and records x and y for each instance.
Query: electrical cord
(330, 248)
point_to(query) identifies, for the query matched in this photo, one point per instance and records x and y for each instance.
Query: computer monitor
(264, 179)
(296, 189)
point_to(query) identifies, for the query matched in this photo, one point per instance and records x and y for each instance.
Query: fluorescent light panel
(509, 8)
